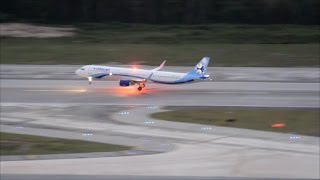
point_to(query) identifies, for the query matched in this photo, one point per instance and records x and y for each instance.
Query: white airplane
(132, 76)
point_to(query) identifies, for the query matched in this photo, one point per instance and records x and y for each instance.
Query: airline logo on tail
(200, 68)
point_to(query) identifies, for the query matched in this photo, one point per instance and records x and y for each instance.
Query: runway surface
(197, 94)
(73, 109)
(236, 74)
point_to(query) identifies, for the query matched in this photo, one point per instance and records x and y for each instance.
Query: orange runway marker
(278, 125)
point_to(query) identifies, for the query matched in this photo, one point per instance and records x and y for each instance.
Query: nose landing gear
(89, 79)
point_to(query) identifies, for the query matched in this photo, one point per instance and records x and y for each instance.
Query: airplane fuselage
(165, 77)
(132, 76)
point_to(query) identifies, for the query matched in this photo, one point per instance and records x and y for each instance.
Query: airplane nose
(77, 72)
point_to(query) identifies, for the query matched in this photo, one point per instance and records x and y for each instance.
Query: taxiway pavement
(73, 109)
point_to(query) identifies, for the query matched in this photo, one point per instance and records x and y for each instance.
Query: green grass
(18, 144)
(22, 51)
(185, 34)
(228, 45)
(300, 121)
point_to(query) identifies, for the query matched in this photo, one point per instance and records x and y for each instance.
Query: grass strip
(298, 121)
(227, 44)
(45, 51)
(19, 144)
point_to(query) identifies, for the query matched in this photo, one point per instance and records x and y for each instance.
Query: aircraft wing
(138, 81)
(141, 82)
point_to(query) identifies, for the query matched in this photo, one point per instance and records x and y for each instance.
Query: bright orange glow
(278, 125)
(134, 67)
(130, 91)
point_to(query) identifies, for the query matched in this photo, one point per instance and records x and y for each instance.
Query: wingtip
(162, 64)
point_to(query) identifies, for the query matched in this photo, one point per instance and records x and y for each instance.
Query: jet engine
(125, 83)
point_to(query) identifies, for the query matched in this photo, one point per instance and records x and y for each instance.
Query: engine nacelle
(125, 83)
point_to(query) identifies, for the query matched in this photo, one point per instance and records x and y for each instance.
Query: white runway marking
(56, 90)
(233, 92)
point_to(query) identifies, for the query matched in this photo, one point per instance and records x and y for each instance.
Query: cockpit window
(82, 69)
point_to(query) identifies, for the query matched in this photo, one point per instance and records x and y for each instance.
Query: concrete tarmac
(237, 74)
(183, 149)
(269, 94)
(73, 109)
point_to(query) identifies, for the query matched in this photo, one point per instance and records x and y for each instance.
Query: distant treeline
(163, 11)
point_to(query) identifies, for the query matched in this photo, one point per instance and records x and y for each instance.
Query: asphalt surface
(236, 74)
(104, 112)
(271, 94)
(99, 177)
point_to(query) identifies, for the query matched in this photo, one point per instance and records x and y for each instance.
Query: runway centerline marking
(232, 92)
(56, 90)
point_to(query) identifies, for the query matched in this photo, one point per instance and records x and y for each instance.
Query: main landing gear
(141, 86)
